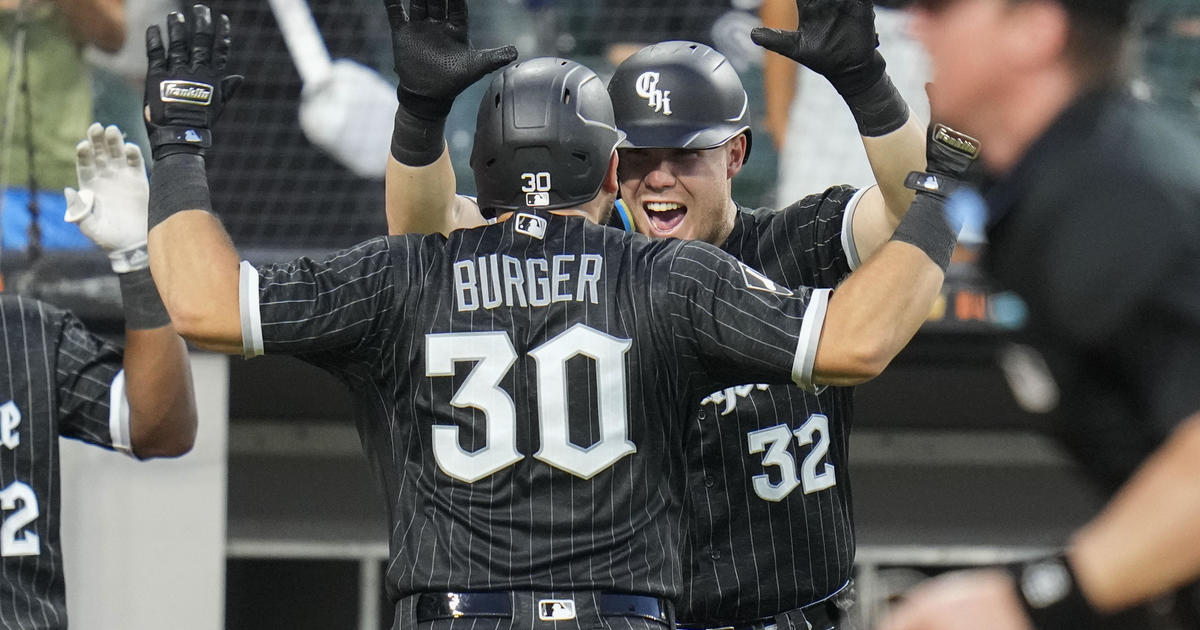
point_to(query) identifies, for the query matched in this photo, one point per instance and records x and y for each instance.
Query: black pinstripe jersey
(56, 379)
(522, 389)
(770, 496)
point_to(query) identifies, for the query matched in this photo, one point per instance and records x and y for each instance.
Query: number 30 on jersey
(481, 390)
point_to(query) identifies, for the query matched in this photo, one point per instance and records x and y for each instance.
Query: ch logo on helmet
(647, 88)
(185, 92)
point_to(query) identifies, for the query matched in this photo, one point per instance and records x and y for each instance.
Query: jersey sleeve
(813, 239)
(92, 406)
(736, 324)
(305, 306)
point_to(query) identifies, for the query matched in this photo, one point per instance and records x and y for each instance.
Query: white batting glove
(110, 205)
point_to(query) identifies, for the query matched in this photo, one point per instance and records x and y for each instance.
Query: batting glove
(434, 58)
(186, 84)
(835, 38)
(110, 205)
(948, 154)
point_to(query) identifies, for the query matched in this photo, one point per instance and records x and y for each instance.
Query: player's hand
(835, 38)
(434, 58)
(186, 84)
(966, 600)
(110, 205)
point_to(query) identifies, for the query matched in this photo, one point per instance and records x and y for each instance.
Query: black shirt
(1098, 230)
(771, 516)
(56, 380)
(522, 389)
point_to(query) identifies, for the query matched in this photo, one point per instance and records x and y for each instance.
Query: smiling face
(682, 193)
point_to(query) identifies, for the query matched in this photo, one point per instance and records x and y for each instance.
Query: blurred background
(276, 521)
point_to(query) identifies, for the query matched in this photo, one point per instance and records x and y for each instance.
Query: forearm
(196, 269)
(892, 157)
(875, 313)
(1144, 542)
(779, 72)
(421, 199)
(97, 22)
(158, 386)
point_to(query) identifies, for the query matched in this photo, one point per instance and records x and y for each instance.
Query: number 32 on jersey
(774, 441)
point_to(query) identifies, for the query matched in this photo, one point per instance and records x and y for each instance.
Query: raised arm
(838, 41)
(435, 63)
(110, 208)
(746, 323)
(193, 260)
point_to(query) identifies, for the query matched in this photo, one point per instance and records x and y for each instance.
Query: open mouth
(664, 216)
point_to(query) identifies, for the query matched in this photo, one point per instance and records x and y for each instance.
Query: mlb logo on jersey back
(757, 281)
(556, 609)
(531, 225)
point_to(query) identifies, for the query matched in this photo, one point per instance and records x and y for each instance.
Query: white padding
(252, 339)
(810, 337)
(848, 245)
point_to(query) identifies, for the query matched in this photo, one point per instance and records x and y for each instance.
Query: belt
(434, 606)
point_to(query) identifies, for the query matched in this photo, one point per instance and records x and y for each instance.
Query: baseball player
(1093, 211)
(57, 379)
(761, 547)
(521, 385)
(772, 534)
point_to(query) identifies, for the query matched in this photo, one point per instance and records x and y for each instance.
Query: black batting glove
(435, 63)
(186, 84)
(433, 55)
(835, 38)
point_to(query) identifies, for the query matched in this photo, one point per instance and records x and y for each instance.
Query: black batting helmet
(544, 137)
(679, 95)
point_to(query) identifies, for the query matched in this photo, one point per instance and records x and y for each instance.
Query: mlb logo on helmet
(537, 199)
(185, 92)
(656, 99)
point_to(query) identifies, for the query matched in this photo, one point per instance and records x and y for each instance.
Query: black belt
(434, 606)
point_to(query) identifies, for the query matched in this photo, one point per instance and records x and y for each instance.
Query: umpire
(1093, 214)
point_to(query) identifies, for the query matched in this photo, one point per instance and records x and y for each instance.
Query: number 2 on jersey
(14, 540)
(481, 390)
(775, 440)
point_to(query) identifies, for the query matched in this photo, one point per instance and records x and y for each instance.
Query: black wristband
(925, 226)
(1051, 597)
(166, 141)
(143, 307)
(177, 183)
(879, 109)
(416, 140)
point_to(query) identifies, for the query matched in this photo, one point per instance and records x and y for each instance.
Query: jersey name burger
(497, 280)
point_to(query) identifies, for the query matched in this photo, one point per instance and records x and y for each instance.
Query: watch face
(1044, 583)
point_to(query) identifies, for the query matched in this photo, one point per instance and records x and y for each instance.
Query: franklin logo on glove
(186, 92)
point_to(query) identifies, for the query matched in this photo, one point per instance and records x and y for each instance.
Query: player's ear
(735, 154)
(609, 185)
